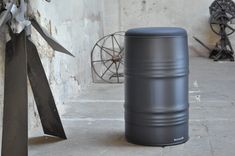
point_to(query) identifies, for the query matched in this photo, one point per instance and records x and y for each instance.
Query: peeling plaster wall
(77, 25)
(189, 14)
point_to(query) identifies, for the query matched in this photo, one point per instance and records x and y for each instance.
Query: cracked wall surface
(191, 15)
(77, 25)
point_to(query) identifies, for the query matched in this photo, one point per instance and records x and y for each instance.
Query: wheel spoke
(230, 27)
(113, 45)
(119, 65)
(107, 69)
(121, 52)
(215, 23)
(103, 60)
(212, 8)
(117, 43)
(219, 5)
(111, 49)
(102, 48)
(116, 66)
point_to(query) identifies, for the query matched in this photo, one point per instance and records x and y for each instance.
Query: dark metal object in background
(50, 40)
(107, 58)
(222, 18)
(15, 112)
(6, 14)
(21, 59)
(42, 93)
(156, 86)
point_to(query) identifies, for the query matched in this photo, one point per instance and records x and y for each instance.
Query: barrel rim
(156, 32)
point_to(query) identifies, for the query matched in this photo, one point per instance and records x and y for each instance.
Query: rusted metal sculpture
(107, 58)
(22, 60)
(222, 23)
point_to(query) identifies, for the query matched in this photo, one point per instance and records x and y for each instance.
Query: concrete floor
(95, 126)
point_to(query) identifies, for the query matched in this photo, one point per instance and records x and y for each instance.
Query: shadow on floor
(115, 139)
(43, 140)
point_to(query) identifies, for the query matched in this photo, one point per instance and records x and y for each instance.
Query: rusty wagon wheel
(107, 58)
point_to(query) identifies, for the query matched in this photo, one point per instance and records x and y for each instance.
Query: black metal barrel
(156, 86)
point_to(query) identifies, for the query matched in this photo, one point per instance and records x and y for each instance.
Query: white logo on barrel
(179, 139)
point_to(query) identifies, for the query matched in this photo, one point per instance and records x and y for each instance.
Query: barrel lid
(156, 32)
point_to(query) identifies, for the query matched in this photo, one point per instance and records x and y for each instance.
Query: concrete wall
(76, 24)
(189, 14)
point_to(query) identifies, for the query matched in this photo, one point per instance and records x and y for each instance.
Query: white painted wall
(77, 25)
(193, 15)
